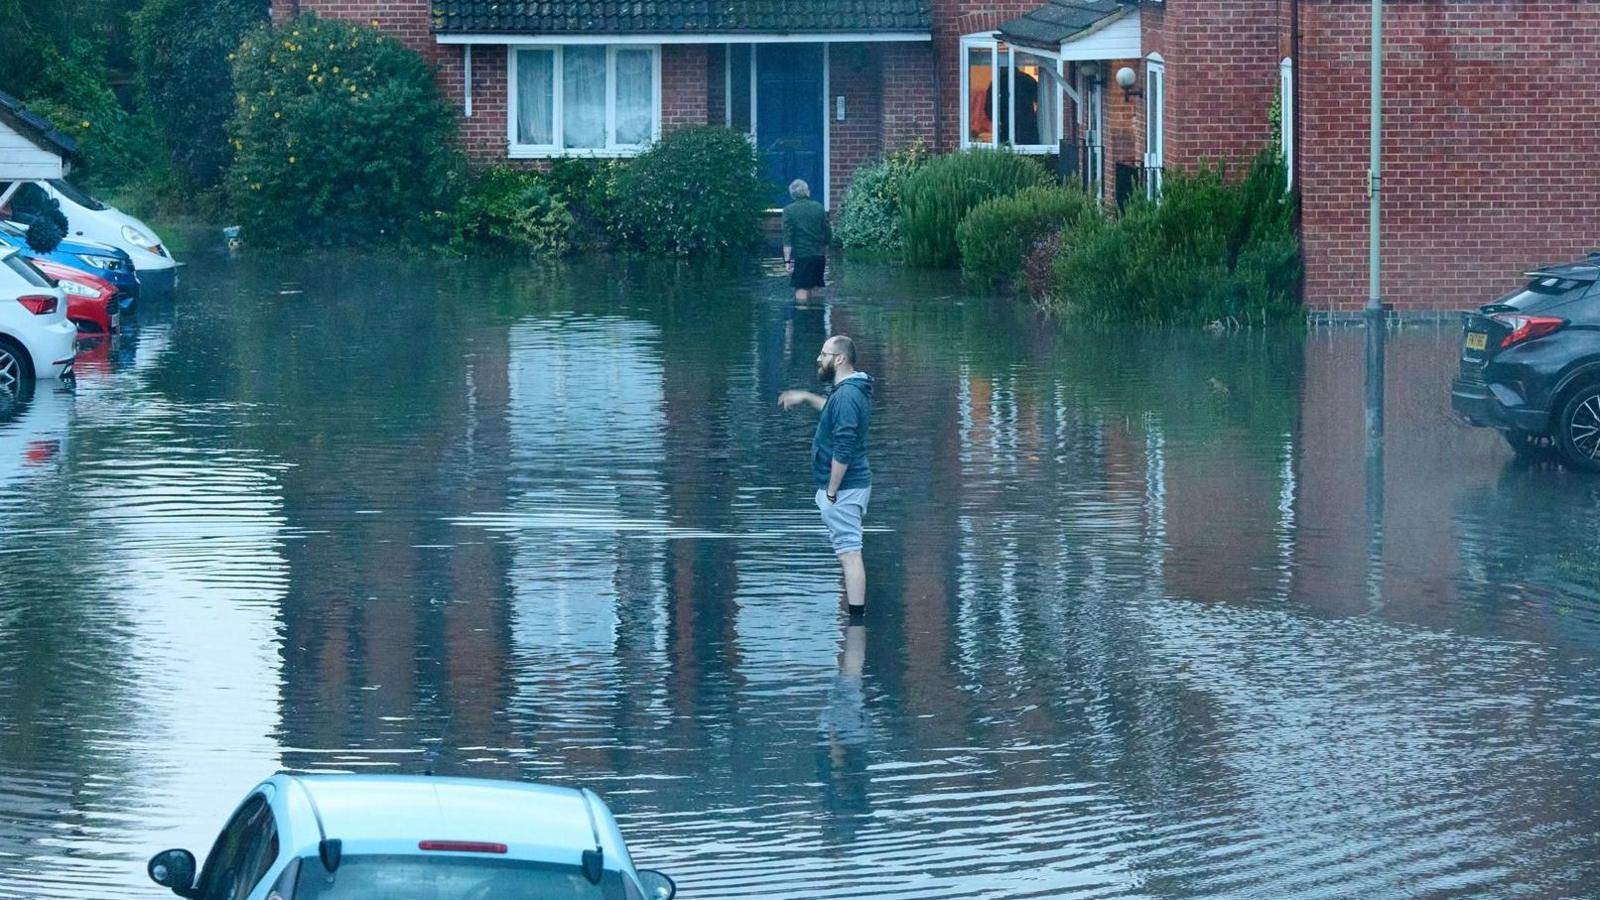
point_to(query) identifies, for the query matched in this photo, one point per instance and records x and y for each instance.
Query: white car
(36, 339)
(90, 219)
(398, 837)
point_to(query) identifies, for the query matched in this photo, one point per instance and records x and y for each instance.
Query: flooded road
(1144, 621)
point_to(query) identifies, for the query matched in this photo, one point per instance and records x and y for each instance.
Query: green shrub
(1039, 268)
(588, 187)
(869, 215)
(695, 191)
(511, 211)
(183, 49)
(996, 235)
(1210, 251)
(941, 193)
(339, 136)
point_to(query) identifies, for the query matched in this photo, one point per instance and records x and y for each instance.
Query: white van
(90, 219)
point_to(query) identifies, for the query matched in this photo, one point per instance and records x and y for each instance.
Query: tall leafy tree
(184, 51)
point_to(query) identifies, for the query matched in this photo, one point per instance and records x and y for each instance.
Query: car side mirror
(173, 869)
(657, 886)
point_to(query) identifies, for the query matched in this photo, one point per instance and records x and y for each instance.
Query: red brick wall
(1221, 62)
(1488, 147)
(1124, 126)
(717, 84)
(684, 94)
(908, 101)
(854, 74)
(483, 134)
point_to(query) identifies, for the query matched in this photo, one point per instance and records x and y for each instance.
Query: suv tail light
(1526, 328)
(38, 304)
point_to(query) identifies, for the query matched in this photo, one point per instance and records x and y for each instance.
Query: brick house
(1481, 155)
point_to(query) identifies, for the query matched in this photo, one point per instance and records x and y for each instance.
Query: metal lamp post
(1375, 167)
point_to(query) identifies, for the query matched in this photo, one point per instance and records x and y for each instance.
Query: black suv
(1530, 365)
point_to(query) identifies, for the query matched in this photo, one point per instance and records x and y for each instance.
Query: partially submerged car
(91, 219)
(91, 257)
(1530, 365)
(93, 304)
(396, 837)
(36, 339)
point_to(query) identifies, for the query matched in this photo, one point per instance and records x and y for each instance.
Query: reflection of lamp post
(1126, 77)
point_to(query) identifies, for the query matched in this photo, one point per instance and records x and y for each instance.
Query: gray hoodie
(842, 433)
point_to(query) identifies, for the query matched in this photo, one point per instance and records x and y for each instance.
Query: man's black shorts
(808, 272)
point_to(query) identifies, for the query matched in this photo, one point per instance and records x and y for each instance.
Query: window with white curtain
(584, 100)
(1009, 97)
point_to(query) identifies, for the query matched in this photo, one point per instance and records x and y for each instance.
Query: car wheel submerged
(15, 368)
(1579, 429)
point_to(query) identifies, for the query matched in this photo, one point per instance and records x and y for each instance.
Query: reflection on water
(1153, 614)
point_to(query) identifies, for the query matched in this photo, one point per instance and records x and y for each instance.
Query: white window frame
(611, 150)
(1286, 118)
(1155, 123)
(990, 40)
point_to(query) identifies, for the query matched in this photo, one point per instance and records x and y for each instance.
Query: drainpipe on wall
(1294, 85)
(938, 97)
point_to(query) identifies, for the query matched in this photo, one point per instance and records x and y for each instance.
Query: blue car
(101, 260)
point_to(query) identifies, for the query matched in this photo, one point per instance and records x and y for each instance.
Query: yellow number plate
(1477, 340)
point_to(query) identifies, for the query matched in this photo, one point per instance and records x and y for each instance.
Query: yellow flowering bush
(342, 137)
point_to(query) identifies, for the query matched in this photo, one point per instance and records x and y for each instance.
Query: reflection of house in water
(586, 440)
(395, 626)
(196, 529)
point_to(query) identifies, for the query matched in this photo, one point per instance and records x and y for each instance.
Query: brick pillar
(907, 93)
(684, 93)
(854, 73)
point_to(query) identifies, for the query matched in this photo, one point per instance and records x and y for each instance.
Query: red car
(92, 302)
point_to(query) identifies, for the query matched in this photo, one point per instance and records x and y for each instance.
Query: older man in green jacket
(806, 237)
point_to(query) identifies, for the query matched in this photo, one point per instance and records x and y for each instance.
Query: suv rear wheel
(1578, 430)
(15, 368)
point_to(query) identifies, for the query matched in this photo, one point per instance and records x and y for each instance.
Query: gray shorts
(843, 518)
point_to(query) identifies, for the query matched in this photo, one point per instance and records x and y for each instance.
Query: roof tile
(685, 16)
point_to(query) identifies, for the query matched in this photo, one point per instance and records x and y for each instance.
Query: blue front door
(789, 116)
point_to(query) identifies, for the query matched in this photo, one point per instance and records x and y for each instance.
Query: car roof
(69, 244)
(424, 807)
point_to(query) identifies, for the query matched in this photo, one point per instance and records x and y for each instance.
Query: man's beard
(825, 372)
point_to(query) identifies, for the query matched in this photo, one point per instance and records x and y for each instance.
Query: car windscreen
(76, 195)
(413, 877)
(1543, 291)
(17, 263)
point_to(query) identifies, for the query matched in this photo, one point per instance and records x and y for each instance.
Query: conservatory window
(1009, 97)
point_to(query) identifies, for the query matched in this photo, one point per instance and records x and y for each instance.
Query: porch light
(1126, 77)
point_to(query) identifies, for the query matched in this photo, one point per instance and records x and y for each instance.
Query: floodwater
(1149, 616)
